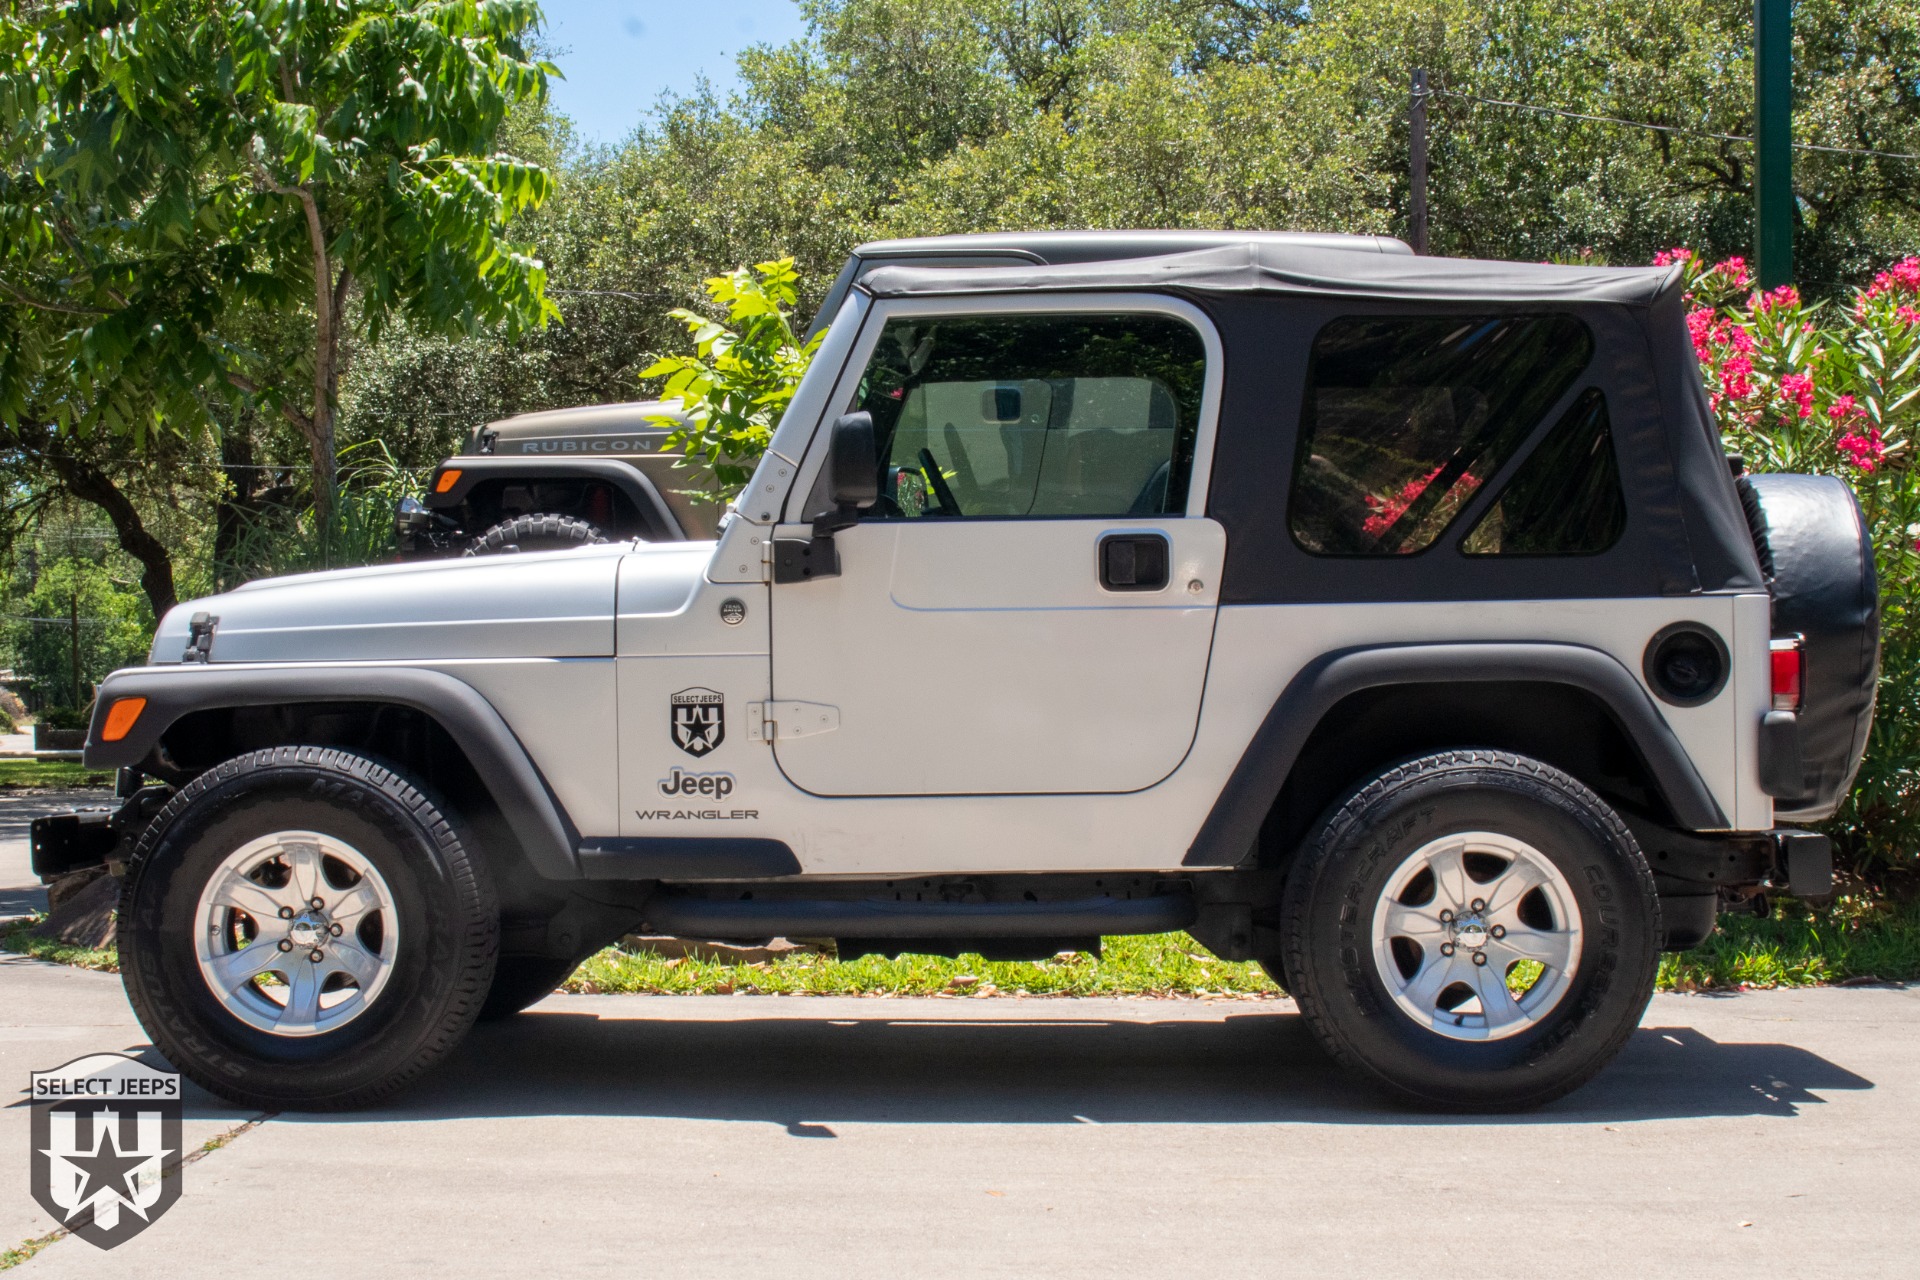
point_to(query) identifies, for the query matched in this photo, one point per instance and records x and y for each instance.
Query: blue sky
(620, 55)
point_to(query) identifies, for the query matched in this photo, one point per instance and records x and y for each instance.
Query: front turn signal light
(447, 480)
(121, 717)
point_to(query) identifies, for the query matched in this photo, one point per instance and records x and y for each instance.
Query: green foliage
(75, 615)
(178, 169)
(274, 540)
(1835, 390)
(735, 386)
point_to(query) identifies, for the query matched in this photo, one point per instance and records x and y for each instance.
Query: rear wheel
(1473, 930)
(535, 533)
(302, 928)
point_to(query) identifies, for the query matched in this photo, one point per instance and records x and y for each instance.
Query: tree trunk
(90, 484)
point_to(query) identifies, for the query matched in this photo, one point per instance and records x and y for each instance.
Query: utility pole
(73, 638)
(1773, 141)
(1417, 154)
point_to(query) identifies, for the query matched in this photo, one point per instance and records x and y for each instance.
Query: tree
(176, 168)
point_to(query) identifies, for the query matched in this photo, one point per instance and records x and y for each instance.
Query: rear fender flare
(1230, 831)
(546, 836)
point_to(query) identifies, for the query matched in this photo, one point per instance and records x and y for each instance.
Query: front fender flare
(1232, 827)
(526, 802)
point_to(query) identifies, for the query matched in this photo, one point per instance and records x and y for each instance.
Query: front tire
(301, 928)
(1473, 930)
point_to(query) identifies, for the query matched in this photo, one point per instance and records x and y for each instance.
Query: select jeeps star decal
(699, 720)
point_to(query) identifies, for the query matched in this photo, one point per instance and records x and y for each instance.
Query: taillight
(1789, 670)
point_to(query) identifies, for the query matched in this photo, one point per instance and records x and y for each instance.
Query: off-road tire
(1331, 894)
(443, 961)
(520, 981)
(535, 533)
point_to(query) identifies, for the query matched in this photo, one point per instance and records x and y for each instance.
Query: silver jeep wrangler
(1395, 622)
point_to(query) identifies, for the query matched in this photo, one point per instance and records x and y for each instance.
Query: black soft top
(1261, 265)
(1687, 533)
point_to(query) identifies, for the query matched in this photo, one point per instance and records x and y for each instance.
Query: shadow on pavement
(807, 1074)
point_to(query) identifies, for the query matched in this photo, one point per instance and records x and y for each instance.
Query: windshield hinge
(767, 721)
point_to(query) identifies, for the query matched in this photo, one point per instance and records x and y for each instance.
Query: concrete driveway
(1770, 1133)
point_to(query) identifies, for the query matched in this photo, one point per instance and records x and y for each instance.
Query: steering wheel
(941, 489)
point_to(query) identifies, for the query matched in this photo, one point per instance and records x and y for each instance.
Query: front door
(1029, 608)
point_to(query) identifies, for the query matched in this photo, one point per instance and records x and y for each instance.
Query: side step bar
(693, 917)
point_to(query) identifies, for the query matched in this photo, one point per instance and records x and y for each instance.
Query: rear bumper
(1697, 874)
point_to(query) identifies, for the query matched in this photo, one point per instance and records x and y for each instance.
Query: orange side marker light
(120, 718)
(447, 480)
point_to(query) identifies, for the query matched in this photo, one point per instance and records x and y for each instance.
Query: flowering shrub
(1835, 390)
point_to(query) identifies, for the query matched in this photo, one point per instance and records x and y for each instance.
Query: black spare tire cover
(1818, 556)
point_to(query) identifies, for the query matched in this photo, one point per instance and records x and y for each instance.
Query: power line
(1665, 128)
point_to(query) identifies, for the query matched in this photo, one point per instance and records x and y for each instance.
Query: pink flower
(1735, 270)
(1863, 452)
(1736, 377)
(1667, 257)
(1785, 296)
(1700, 328)
(1797, 388)
(1902, 277)
(1907, 315)
(1388, 510)
(1843, 408)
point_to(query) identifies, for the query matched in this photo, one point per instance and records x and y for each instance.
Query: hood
(552, 604)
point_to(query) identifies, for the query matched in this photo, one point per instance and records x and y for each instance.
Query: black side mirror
(853, 485)
(853, 466)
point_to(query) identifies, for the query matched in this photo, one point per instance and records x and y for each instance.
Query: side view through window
(1018, 416)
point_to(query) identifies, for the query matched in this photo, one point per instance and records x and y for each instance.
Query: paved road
(20, 893)
(1772, 1133)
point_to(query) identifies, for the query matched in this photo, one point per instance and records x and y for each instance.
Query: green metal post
(1773, 141)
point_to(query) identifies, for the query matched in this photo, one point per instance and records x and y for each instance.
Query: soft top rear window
(1407, 416)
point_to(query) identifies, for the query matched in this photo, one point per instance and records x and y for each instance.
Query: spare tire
(535, 533)
(1818, 556)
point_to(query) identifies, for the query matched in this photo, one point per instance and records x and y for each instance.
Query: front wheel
(302, 928)
(1473, 930)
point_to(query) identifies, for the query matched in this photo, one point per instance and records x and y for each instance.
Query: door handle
(1134, 561)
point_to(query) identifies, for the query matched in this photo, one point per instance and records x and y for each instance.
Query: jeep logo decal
(698, 720)
(717, 785)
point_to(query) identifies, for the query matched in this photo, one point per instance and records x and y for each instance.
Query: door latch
(767, 721)
(1134, 561)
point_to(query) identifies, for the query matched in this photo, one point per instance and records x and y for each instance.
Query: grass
(1798, 946)
(18, 773)
(15, 937)
(1168, 964)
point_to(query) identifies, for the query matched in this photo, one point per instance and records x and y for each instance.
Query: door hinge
(767, 721)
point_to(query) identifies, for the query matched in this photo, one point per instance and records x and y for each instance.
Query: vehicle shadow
(809, 1073)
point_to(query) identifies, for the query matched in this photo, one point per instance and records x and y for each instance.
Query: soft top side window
(1014, 416)
(1565, 499)
(1406, 416)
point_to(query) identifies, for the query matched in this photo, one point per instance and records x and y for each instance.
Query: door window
(1407, 416)
(1015, 416)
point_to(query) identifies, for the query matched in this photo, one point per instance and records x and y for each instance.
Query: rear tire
(368, 926)
(521, 981)
(535, 533)
(1461, 869)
